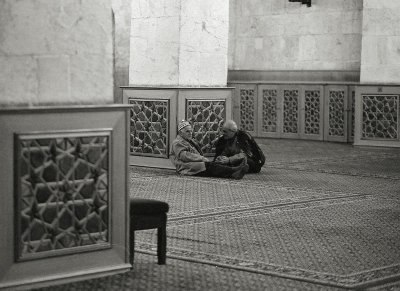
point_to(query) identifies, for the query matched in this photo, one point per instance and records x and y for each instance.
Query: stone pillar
(179, 43)
(380, 57)
(122, 29)
(55, 52)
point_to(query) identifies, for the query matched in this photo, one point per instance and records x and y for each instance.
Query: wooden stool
(148, 214)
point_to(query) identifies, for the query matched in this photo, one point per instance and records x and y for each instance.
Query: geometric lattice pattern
(380, 116)
(269, 103)
(336, 113)
(206, 117)
(62, 193)
(312, 111)
(290, 110)
(247, 109)
(149, 127)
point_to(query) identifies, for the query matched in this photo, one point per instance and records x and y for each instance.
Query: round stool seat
(147, 206)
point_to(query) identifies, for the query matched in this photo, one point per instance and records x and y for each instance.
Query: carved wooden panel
(247, 109)
(149, 127)
(380, 116)
(62, 192)
(290, 110)
(312, 112)
(206, 116)
(336, 126)
(269, 110)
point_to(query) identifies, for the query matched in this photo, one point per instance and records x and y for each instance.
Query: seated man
(188, 158)
(235, 145)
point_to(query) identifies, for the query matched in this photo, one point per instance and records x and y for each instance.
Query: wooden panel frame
(328, 137)
(374, 90)
(304, 135)
(17, 192)
(281, 92)
(236, 105)
(279, 112)
(154, 95)
(75, 266)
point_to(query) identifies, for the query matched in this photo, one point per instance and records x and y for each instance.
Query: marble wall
(179, 43)
(122, 30)
(380, 58)
(283, 35)
(56, 52)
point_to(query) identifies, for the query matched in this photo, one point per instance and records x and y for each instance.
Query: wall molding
(309, 76)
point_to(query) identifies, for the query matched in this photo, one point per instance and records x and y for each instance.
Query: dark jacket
(241, 143)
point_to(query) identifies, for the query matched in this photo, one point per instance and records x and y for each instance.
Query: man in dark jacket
(235, 145)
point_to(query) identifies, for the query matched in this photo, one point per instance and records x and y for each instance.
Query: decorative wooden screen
(312, 112)
(149, 127)
(247, 109)
(207, 117)
(380, 117)
(336, 113)
(62, 193)
(269, 121)
(290, 110)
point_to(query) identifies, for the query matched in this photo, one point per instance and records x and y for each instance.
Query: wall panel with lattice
(64, 194)
(377, 115)
(155, 113)
(336, 113)
(269, 111)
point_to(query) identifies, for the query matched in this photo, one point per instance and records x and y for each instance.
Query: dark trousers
(214, 169)
(254, 166)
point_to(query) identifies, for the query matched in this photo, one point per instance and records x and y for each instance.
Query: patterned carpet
(319, 216)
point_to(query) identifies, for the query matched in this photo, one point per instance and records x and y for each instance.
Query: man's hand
(222, 160)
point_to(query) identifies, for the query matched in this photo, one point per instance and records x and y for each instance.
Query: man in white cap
(187, 157)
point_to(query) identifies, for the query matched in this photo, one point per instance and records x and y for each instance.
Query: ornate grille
(336, 113)
(290, 111)
(62, 193)
(149, 127)
(312, 111)
(206, 116)
(269, 110)
(380, 116)
(247, 101)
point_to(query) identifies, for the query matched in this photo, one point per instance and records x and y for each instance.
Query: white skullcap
(183, 124)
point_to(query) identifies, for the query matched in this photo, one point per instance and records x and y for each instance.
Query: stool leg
(162, 245)
(131, 245)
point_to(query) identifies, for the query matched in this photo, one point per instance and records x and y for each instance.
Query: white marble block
(179, 43)
(56, 52)
(380, 58)
(295, 37)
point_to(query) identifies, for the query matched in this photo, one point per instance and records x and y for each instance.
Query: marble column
(380, 57)
(122, 29)
(179, 43)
